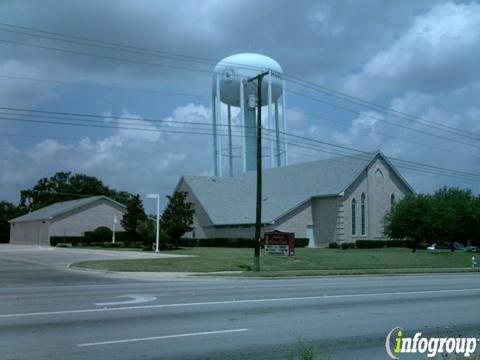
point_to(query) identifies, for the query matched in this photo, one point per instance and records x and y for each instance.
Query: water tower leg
(284, 121)
(278, 155)
(214, 124)
(244, 133)
(230, 150)
(270, 120)
(219, 122)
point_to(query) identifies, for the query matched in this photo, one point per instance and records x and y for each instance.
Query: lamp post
(115, 220)
(156, 196)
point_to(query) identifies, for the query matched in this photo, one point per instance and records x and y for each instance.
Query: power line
(366, 156)
(355, 150)
(424, 132)
(404, 163)
(53, 114)
(66, 83)
(294, 110)
(148, 128)
(378, 107)
(373, 131)
(183, 68)
(199, 60)
(107, 57)
(205, 71)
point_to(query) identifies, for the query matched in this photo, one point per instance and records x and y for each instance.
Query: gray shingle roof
(230, 201)
(51, 211)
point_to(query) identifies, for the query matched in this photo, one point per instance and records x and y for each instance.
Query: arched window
(362, 214)
(392, 200)
(354, 217)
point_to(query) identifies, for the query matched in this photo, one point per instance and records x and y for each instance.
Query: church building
(340, 199)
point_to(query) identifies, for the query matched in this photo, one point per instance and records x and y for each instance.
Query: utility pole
(258, 222)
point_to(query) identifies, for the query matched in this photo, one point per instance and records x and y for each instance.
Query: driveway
(23, 265)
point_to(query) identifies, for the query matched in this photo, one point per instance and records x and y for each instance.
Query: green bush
(400, 243)
(74, 240)
(375, 244)
(301, 242)
(90, 238)
(102, 234)
(346, 246)
(370, 244)
(225, 242)
(110, 245)
(233, 242)
(121, 236)
(334, 245)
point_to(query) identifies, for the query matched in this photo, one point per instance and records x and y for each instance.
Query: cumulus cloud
(418, 57)
(128, 159)
(438, 52)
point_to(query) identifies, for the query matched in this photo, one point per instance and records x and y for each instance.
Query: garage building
(69, 218)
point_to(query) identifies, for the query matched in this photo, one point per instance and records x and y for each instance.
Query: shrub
(346, 246)
(370, 244)
(110, 245)
(375, 244)
(88, 238)
(334, 245)
(74, 240)
(102, 234)
(301, 242)
(233, 242)
(121, 236)
(399, 243)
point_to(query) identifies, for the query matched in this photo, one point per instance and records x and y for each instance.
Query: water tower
(231, 90)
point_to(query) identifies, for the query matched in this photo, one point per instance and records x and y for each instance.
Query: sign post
(280, 243)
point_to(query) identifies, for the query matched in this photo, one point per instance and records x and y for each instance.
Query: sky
(416, 57)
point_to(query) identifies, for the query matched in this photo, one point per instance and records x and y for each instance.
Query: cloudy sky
(420, 58)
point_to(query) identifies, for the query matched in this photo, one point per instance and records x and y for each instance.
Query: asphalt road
(22, 265)
(95, 317)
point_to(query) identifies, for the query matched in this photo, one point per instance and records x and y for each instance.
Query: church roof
(231, 201)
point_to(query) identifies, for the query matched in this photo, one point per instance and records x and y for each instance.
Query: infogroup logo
(396, 344)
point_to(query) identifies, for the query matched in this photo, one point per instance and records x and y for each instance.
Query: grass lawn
(306, 262)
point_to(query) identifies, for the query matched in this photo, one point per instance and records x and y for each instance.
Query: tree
(447, 216)
(146, 231)
(178, 216)
(474, 230)
(8, 211)
(410, 218)
(133, 217)
(64, 186)
(452, 215)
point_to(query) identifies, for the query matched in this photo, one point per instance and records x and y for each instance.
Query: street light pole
(157, 241)
(258, 220)
(113, 232)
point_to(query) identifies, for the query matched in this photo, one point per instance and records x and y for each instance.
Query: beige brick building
(69, 218)
(340, 199)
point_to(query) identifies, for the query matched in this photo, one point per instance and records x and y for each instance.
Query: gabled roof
(57, 209)
(230, 201)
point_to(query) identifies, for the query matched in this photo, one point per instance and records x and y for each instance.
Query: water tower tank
(232, 69)
(230, 87)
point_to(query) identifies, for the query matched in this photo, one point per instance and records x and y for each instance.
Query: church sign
(280, 243)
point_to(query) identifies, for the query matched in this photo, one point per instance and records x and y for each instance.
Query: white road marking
(226, 302)
(137, 299)
(204, 333)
